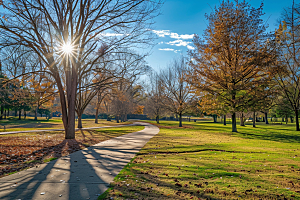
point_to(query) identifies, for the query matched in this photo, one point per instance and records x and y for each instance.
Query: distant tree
(288, 66)
(233, 55)
(154, 106)
(177, 95)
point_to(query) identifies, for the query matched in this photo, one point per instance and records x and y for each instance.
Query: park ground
(205, 160)
(23, 150)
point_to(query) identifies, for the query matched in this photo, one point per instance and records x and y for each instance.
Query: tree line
(236, 68)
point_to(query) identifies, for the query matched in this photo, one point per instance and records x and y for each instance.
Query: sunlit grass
(206, 160)
(13, 124)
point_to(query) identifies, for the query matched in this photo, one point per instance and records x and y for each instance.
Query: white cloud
(163, 33)
(166, 49)
(190, 47)
(169, 49)
(184, 37)
(178, 43)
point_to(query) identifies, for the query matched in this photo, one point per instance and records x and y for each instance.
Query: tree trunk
(117, 118)
(254, 119)
(5, 114)
(24, 114)
(1, 114)
(286, 119)
(157, 119)
(224, 119)
(292, 120)
(36, 112)
(19, 114)
(79, 120)
(180, 119)
(96, 116)
(242, 120)
(234, 129)
(266, 118)
(215, 118)
(297, 120)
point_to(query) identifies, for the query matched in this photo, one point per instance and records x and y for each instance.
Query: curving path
(84, 174)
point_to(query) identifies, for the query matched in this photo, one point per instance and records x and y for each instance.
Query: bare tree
(67, 35)
(154, 106)
(177, 94)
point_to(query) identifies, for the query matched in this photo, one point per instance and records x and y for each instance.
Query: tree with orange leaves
(232, 58)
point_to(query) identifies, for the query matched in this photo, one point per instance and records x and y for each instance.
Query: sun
(67, 48)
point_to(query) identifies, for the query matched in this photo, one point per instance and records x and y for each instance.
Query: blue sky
(180, 19)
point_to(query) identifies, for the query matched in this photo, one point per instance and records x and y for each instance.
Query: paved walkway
(84, 174)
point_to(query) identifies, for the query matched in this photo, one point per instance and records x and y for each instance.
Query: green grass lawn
(14, 124)
(205, 160)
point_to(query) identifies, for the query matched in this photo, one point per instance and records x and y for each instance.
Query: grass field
(13, 124)
(205, 160)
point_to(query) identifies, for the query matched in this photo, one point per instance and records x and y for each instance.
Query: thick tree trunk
(224, 119)
(254, 119)
(117, 118)
(286, 119)
(19, 114)
(79, 120)
(180, 119)
(242, 120)
(292, 120)
(266, 118)
(297, 120)
(234, 129)
(157, 119)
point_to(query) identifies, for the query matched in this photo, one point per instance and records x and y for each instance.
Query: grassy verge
(204, 160)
